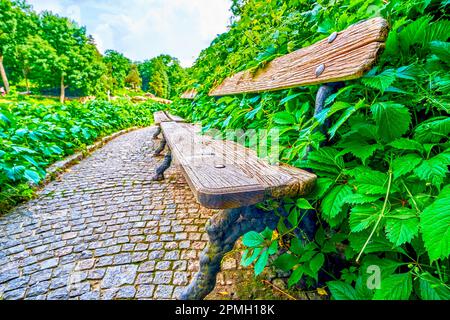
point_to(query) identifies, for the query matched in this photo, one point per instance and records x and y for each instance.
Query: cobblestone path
(103, 230)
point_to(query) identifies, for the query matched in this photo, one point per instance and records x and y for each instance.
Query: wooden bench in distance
(231, 177)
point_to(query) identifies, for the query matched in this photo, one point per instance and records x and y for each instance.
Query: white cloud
(142, 29)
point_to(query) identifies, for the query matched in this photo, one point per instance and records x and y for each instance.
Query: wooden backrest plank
(244, 180)
(190, 94)
(352, 53)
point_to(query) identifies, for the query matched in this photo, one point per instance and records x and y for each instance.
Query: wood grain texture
(225, 175)
(349, 56)
(190, 94)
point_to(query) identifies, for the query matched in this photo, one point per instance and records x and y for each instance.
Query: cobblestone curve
(103, 230)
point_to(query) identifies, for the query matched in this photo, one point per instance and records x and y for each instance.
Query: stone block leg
(224, 229)
(159, 174)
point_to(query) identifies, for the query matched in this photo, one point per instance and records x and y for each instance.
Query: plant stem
(411, 196)
(386, 200)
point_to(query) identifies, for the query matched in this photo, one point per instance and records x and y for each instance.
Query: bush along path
(34, 135)
(104, 231)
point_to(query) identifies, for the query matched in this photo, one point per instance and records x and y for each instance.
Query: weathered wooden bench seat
(228, 176)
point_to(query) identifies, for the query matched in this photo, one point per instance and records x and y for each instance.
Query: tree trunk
(62, 96)
(4, 76)
(25, 75)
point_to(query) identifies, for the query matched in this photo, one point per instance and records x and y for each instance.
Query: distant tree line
(46, 50)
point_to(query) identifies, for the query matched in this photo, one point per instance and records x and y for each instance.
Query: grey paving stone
(119, 276)
(145, 291)
(127, 292)
(163, 292)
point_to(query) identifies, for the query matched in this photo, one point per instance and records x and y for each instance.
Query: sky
(143, 29)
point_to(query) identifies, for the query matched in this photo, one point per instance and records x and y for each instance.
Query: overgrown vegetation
(35, 135)
(382, 198)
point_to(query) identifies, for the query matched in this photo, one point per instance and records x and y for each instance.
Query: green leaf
(295, 277)
(316, 263)
(363, 216)
(400, 231)
(333, 202)
(286, 262)
(262, 262)
(342, 291)
(371, 182)
(393, 120)
(32, 176)
(249, 259)
(360, 149)
(433, 289)
(284, 118)
(380, 81)
(434, 170)
(433, 130)
(405, 164)
(253, 239)
(406, 144)
(395, 287)
(360, 199)
(442, 50)
(435, 226)
(303, 204)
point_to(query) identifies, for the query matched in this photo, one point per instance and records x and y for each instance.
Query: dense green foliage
(163, 76)
(383, 196)
(34, 135)
(47, 51)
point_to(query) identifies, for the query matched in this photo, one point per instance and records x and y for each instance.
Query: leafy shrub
(382, 198)
(34, 135)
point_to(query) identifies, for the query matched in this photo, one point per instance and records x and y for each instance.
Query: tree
(159, 80)
(118, 67)
(154, 71)
(35, 57)
(8, 28)
(133, 78)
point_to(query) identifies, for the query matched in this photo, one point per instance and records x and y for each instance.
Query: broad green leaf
(295, 277)
(433, 289)
(406, 144)
(249, 259)
(284, 118)
(380, 81)
(32, 175)
(435, 226)
(364, 216)
(333, 202)
(304, 204)
(317, 262)
(400, 231)
(393, 120)
(342, 291)
(405, 164)
(371, 182)
(253, 239)
(434, 170)
(395, 287)
(262, 262)
(286, 261)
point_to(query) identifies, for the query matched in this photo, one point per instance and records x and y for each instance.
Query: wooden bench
(230, 177)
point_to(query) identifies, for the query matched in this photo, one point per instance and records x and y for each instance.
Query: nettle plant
(382, 200)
